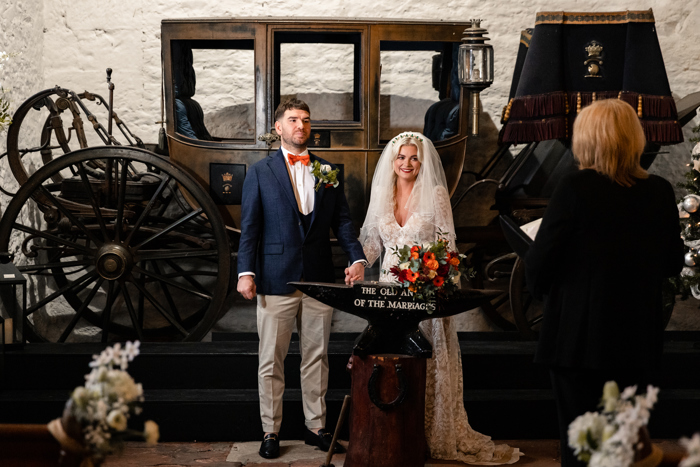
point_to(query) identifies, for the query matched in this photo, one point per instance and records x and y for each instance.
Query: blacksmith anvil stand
(388, 372)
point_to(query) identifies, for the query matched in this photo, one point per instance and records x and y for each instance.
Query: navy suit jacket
(274, 243)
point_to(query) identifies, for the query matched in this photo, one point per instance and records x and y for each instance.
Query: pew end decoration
(95, 421)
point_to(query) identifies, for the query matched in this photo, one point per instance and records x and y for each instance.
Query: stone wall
(21, 33)
(83, 38)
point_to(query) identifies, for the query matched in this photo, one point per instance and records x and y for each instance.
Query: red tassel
(541, 105)
(535, 130)
(663, 132)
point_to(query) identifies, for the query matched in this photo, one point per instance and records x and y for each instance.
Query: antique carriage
(121, 242)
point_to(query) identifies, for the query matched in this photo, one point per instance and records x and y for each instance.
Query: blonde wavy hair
(609, 138)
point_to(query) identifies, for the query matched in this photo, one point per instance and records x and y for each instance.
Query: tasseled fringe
(662, 131)
(542, 105)
(659, 106)
(559, 103)
(580, 100)
(518, 131)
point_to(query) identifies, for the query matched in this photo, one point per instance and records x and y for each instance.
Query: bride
(410, 204)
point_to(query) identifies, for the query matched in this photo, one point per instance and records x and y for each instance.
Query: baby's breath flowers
(100, 410)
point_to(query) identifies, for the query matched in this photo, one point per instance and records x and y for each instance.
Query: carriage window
(321, 69)
(215, 85)
(416, 90)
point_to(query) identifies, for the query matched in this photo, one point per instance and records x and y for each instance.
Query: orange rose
(432, 264)
(438, 281)
(411, 276)
(454, 261)
(415, 255)
(415, 249)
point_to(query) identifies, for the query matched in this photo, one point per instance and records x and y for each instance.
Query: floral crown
(406, 135)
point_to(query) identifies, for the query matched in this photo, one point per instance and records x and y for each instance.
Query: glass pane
(407, 91)
(224, 89)
(321, 75)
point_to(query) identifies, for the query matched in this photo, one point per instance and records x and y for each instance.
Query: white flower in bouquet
(586, 433)
(609, 438)
(691, 445)
(117, 420)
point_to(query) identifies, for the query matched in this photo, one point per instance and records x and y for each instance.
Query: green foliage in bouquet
(430, 269)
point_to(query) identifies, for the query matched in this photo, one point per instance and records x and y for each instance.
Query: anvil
(392, 313)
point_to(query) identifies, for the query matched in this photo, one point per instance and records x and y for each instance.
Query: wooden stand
(387, 412)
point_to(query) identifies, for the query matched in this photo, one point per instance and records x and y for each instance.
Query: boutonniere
(324, 174)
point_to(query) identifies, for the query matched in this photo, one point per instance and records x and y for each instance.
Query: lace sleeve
(443, 216)
(372, 245)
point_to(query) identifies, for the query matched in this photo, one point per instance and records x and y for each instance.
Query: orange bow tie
(294, 158)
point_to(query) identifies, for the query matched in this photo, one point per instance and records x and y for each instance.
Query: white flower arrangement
(691, 445)
(609, 438)
(100, 410)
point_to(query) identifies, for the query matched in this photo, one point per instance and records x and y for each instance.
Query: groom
(285, 225)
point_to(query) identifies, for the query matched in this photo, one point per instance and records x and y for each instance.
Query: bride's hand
(356, 272)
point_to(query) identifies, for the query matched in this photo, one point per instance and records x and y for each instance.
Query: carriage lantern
(475, 66)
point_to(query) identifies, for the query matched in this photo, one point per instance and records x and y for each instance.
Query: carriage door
(217, 104)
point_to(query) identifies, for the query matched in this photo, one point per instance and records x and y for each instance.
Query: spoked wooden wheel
(53, 122)
(108, 253)
(514, 309)
(493, 272)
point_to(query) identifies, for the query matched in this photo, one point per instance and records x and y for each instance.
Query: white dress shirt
(302, 182)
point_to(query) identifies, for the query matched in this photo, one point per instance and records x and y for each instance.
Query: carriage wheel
(110, 256)
(527, 311)
(494, 273)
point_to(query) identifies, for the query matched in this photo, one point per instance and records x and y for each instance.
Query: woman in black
(609, 237)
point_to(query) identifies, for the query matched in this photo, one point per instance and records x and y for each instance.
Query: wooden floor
(540, 453)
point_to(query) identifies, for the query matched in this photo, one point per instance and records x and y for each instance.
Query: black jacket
(600, 257)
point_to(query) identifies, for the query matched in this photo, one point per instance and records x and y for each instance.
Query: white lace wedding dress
(447, 429)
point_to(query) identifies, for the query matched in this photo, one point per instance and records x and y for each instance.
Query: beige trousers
(277, 315)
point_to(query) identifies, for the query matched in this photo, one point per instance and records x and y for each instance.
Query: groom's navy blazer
(274, 242)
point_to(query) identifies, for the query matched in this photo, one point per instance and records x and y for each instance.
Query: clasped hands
(246, 284)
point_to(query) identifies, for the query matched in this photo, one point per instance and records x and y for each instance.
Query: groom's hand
(356, 272)
(246, 287)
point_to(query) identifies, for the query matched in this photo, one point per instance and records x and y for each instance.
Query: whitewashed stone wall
(21, 33)
(83, 38)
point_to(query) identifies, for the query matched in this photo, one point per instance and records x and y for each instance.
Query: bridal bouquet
(430, 269)
(609, 437)
(95, 420)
